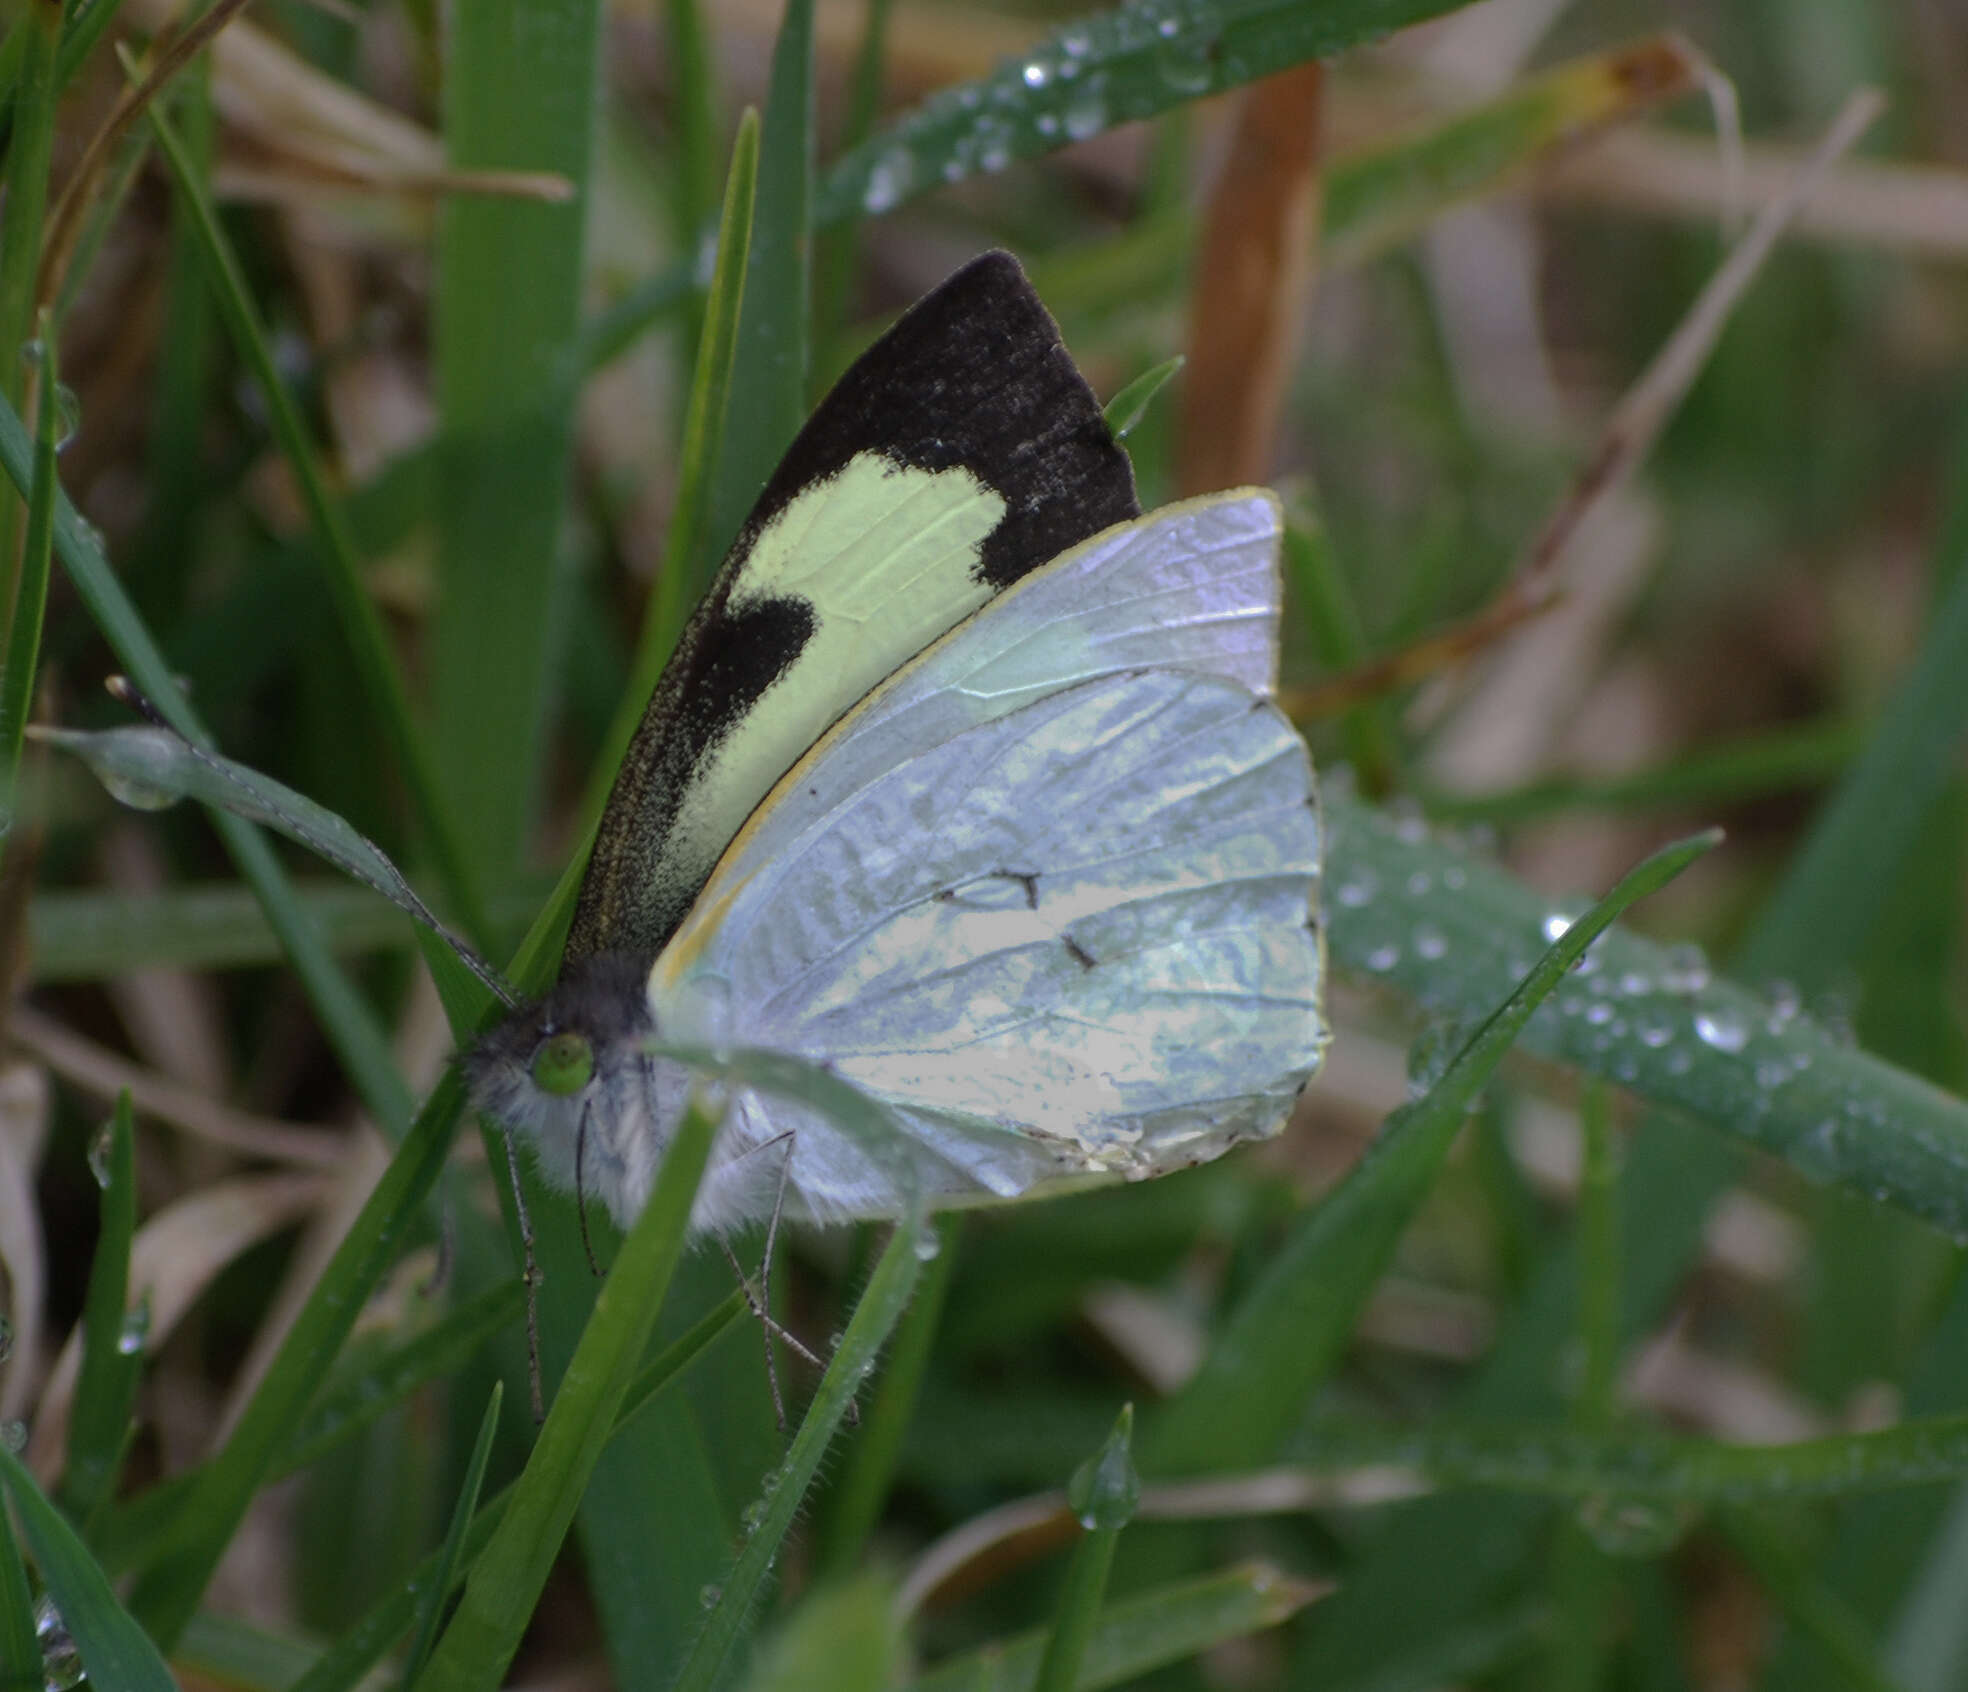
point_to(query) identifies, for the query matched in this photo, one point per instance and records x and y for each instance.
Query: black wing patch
(972, 376)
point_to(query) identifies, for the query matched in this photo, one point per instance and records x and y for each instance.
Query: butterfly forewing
(960, 452)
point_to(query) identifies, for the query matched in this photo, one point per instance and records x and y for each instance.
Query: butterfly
(965, 782)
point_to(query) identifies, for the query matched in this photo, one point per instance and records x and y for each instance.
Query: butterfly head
(571, 1073)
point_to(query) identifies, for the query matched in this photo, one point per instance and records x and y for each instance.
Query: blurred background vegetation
(376, 363)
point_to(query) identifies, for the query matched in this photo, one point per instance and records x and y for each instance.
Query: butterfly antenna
(581, 1192)
(393, 888)
(530, 1275)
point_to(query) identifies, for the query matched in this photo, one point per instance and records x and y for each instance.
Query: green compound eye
(563, 1065)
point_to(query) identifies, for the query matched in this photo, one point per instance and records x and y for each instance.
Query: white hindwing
(1048, 893)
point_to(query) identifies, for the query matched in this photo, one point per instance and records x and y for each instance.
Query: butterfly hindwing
(1048, 892)
(960, 452)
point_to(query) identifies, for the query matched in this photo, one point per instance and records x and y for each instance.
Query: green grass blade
(18, 1642)
(1444, 928)
(113, 1647)
(875, 1316)
(28, 155)
(1807, 1605)
(169, 1589)
(1331, 619)
(1103, 1494)
(694, 78)
(23, 638)
(506, 1580)
(767, 385)
(362, 624)
(1130, 405)
(521, 91)
(106, 1386)
(1118, 66)
(1139, 1634)
(855, 1501)
(1284, 1337)
(358, 1042)
(450, 1553)
(838, 252)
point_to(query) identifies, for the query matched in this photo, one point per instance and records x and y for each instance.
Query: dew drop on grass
(61, 1662)
(708, 1596)
(1419, 883)
(1686, 970)
(1036, 73)
(928, 1243)
(888, 181)
(1086, 114)
(1554, 925)
(1722, 1027)
(1655, 1035)
(101, 1144)
(1623, 1525)
(1383, 958)
(135, 1331)
(1357, 891)
(1785, 1003)
(1431, 944)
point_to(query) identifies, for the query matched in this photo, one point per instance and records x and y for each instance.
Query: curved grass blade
(505, 1581)
(1444, 928)
(1284, 1337)
(106, 1387)
(31, 583)
(1130, 405)
(154, 767)
(1131, 62)
(114, 1649)
(19, 1645)
(874, 1318)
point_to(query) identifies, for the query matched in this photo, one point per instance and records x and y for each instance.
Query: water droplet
(13, 1435)
(1554, 925)
(770, 1484)
(102, 1148)
(1383, 958)
(1046, 124)
(1785, 1003)
(1431, 944)
(1818, 1152)
(135, 1331)
(708, 1596)
(1623, 1525)
(1410, 826)
(61, 1662)
(1656, 1034)
(1772, 1073)
(1036, 73)
(928, 1244)
(1635, 985)
(1087, 115)
(1455, 878)
(888, 181)
(1419, 884)
(1357, 890)
(750, 1517)
(1722, 1027)
(1599, 1013)
(1685, 969)
(1168, 29)
(1105, 1489)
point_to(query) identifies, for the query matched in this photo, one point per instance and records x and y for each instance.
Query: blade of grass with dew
(854, 1502)
(23, 637)
(1115, 67)
(1103, 1494)
(362, 624)
(521, 84)
(1441, 928)
(350, 1027)
(106, 1385)
(768, 1521)
(450, 1553)
(1287, 1332)
(506, 1579)
(677, 584)
(1140, 1633)
(769, 357)
(168, 1589)
(113, 1648)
